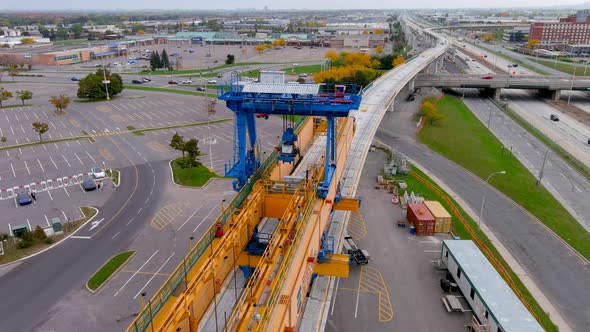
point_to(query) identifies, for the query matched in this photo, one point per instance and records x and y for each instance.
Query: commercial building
(571, 30)
(493, 302)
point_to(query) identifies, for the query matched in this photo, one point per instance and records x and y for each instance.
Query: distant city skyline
(42, 5)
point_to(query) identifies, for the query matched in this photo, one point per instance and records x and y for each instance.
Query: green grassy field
(309, 69)
(564, 67)
(110, 267)
(194, 176)
(196, 71)
(472, 146)
(178, 91)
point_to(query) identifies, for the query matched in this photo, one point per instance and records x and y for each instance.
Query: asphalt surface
(558, 271)
(399, 289)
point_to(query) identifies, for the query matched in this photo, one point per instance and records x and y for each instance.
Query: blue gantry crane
(246, 99)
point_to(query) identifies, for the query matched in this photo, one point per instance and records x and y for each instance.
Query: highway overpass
(492, 85)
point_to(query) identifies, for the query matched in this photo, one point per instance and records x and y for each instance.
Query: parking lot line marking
(22, 128)
(62, 124)
(130, 221)
(133, 275)
(13, 172)
(189, 218)
(65, 217)
(114, 236)
(27, 166)
(7, 119)
(67, 193)
(49, 192)
(67, 162)
(46, 115)
(54, 164)
(12, 130)
(207, 216)
(68, 144)
(153, 276)
(25, 114)
(47, 220)
(94, 161)
(29, 223)
(1, 133)
(80, 160)
(50, 136)
(16, 116)
(41, 165)
(52, 125)
(36, 116)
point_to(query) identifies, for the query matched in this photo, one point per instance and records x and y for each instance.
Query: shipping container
(420, 216)
(442, 218)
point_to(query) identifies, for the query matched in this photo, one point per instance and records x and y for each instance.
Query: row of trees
(11, 63)
(158, 61)
(189, 148)
(22, 95)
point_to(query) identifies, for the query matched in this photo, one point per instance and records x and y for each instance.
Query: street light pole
(483, 199)
(489, 117)
(104, 79)
(544, 160)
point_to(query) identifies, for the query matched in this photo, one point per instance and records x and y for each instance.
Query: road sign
(106, 82)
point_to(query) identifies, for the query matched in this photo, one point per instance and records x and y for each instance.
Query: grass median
(114, 175)
(472, 146)
(563, 67)
(108, 269)
(194, 176)
(178, 91)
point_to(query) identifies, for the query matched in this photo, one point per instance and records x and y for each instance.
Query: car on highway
(98, 173)
(554, 117)
(212, 81)
(75, 79)
(191, 51)
(172, 82)
(24, 199)
(200, 88)
(88, 184)
(303, 75)
(488, 77)
(187, 82)
(136, 82)
(262, 115)
(411, 97)
(146, 80)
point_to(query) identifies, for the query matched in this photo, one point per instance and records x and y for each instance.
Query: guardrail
(155, 304)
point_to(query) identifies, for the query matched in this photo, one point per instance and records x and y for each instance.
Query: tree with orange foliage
(379, 49)
(378, 31)
(260, 48)
(332, 55)
(398, 61)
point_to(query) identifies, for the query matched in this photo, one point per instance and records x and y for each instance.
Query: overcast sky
(272, 4)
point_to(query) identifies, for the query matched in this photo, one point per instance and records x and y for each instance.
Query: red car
(172, 82)
(262, 115)
(488, 77)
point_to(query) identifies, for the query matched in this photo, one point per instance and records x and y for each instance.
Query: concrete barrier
(3, 194)
(75, 179)
(59, 183)
(50, 184)
(65, 181)
(43, 186)
(33, 186)
(27, 188)
(10, 192)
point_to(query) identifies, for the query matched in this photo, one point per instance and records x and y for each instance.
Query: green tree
(230, 59)
(3, 140)
(213, 25)
(43, 31)
(192, 149)
(24, 95)
(137, 27)
(39, 233)
(41, 128)
(178, 143)
(435, 116)
(92, 86)
(155, 61)
(77, 30)
(4, 95)
(164, 61)
(61, 34)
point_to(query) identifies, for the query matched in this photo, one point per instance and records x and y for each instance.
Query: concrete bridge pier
(549, 93)
(491, 92)
(411, 84)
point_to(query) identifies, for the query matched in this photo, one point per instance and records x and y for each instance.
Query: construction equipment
(356, 254)
(246, 99)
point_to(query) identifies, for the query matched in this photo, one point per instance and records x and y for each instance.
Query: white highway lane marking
(95, 224)
(141, 267)
(80, 237)
(114, 236)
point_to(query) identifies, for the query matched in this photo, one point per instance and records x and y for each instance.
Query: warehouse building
(493, 302)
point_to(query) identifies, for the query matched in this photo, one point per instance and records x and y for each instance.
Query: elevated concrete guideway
(547, 85)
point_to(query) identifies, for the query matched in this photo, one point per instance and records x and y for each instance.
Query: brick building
(571, 30)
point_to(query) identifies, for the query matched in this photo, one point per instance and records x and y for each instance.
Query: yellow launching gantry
(275, 292)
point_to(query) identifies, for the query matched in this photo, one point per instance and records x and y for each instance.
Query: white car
(187, 82)
(98, 173)
(212, 81)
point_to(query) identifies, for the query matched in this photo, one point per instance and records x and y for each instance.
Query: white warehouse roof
(500, 300)
(278, 88)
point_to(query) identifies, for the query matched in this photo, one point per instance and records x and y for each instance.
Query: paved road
(565, 183)
(37, 284)
(560, 273)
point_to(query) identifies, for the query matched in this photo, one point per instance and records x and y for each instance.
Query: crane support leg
(245, 160)
(330, 160)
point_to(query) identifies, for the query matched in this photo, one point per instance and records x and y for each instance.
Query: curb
(55, 244)
(111, 178)
(112, 274)
(189, 187)
(24, 145)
